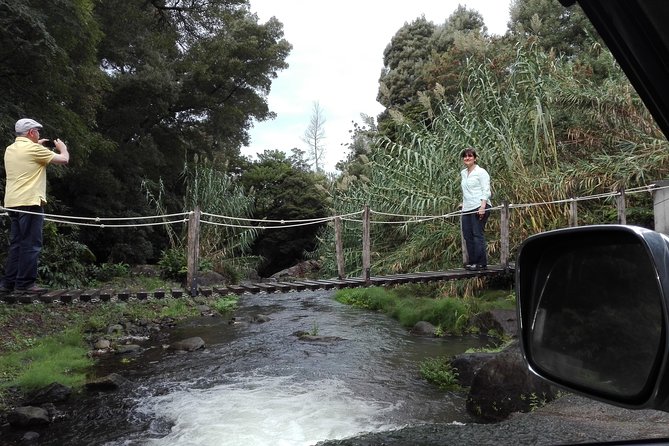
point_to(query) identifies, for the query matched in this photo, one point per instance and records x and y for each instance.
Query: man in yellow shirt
(25, 194)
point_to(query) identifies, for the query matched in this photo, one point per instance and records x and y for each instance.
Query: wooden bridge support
(366, 245)
(504, 235)
(620, 204)
(573, 213)
(339, 248)
(193, 253)
(661, 207)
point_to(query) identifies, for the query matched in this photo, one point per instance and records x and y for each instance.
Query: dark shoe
(34, 289)
(471, 267)
(5, 290)
(481, 267)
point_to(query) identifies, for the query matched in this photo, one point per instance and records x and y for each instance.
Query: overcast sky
(336, 59)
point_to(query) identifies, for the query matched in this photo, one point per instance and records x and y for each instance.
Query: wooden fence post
(573, 213)
(463, 244)
(193, 253)
(620, 204)
(504, 235)
(661, 206)
(339, 249)
(366, 242)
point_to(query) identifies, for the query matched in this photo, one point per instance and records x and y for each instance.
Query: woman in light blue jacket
(475, 209)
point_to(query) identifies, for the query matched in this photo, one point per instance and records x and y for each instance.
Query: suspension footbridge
(366, 218)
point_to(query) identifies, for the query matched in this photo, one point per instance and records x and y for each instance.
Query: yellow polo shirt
(25, 165)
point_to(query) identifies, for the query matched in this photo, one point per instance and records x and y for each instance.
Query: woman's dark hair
(469, 151)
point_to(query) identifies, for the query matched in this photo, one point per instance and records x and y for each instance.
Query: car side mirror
(592, 309)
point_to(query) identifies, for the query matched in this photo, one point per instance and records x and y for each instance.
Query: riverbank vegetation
(41, 344)
(411, 304)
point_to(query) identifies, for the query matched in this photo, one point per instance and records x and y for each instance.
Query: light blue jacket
(475, 187)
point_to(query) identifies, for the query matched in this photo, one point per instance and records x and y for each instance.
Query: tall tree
(49, 70)
(285, 190)
(314, 136)
(567, 31)
(138, 90)
(403, 59)
(422, 54)
(186, 79)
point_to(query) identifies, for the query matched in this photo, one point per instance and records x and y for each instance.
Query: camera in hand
(49, 143)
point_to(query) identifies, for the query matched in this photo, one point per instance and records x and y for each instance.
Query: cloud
(336, 60)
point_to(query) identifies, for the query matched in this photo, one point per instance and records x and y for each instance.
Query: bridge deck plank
(104, 295)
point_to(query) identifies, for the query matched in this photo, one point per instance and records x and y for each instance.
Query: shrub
(440, 372)
(107, 271)
(226, 304)
(173, 264)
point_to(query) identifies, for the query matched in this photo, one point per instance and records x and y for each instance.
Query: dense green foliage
(548, 126)
(137, 90)
(409, 305)
(156, 98)
(439, 371)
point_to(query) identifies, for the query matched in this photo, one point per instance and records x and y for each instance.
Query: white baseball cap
(23, 125)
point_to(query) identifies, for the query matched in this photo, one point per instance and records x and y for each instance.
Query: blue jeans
(25, 244)
(472, 232)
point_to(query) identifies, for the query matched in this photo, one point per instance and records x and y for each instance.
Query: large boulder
(500, 322)
(297, 271)
(28, 416)
(504, 385)
(467, 365)
(423, 328)
(209, 278)
(53, 393)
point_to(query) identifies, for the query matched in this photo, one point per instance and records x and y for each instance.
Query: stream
(260, 384)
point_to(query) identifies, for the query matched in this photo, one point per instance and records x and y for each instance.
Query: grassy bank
(411, 304)
(41, 344)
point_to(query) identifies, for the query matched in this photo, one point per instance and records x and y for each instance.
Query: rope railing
(195, 218)
(168, 219)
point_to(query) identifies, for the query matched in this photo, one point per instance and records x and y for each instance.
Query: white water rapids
(257, 410)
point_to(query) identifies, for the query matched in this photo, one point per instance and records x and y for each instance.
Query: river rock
(53, 393)
(102, 344)
(110, 382)
(189, 345)
(30, 437)
(127, 348)
(203, 309)
(28, 416)
(209, 278)
(505, 385)
(261, 318)
(116, 329)
(423, 328)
